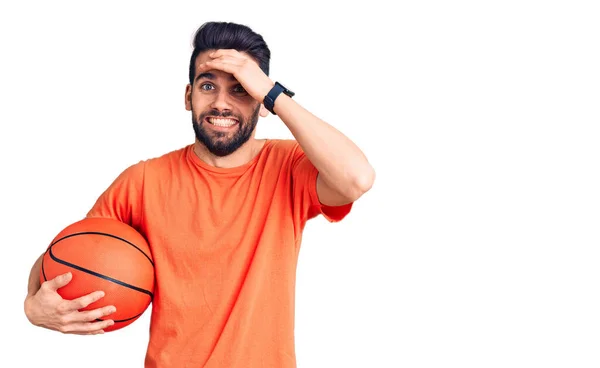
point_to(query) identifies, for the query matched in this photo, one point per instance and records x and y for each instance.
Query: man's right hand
(46, 308)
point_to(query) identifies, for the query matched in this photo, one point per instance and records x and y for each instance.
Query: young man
(224, 216)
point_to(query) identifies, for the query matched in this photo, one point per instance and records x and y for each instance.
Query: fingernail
(113, 310)
(111, 323)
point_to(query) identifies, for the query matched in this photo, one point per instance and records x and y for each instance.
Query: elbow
(363, 182)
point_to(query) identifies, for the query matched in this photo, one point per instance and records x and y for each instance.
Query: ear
(263, 111)
(188, 97)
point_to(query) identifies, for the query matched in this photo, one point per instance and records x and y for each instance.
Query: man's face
(224, 116)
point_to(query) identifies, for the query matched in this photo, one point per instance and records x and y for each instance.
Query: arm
(44, 307)
(34, 277)
(344, 172)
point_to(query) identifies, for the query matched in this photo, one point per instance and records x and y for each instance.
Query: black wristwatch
(269, 100)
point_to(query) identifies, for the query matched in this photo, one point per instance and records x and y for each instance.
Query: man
(223, 216)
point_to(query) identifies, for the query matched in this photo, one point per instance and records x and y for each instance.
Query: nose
(221, 101)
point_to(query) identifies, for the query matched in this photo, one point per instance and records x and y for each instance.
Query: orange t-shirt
(225, 245)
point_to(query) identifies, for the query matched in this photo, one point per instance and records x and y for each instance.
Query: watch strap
(269, 100)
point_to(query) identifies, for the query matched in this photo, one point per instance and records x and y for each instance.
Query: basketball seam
(109, 235)
(101, 276)
(121, 320)
(93, 273)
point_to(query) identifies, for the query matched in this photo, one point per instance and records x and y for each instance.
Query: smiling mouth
(221, 122)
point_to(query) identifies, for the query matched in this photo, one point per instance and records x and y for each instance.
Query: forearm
(34, 277)
(342, 165)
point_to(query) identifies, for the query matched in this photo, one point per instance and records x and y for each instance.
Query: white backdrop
(478, 246)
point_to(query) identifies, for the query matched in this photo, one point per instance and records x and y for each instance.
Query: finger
(95, 314)
(99, 332)
(87, 327)
(58, 282)
(230, 68)
(234, 60)
(219, 63)
(230, 60)
(230, 52)
(84, 301)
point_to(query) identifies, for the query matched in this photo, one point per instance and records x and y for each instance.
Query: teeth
(221, 122)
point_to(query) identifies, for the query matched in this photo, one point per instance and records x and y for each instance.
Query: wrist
(265, 89)
(274, 94)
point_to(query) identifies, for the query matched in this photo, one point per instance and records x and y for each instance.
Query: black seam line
(98, 319)
(120, 320)
(98, 275)
(109, 235)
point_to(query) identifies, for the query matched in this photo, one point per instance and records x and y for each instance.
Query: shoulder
(284, 144)
(171, 156)
(166, 161)
(155, 164)
(283, 148)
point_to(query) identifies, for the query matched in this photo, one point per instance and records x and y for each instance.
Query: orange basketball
(103, 255)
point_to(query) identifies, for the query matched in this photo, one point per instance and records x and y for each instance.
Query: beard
(224, 143)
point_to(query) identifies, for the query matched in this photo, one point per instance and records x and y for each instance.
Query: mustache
(224, 114)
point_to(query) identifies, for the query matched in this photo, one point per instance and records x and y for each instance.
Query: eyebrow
(211, 76)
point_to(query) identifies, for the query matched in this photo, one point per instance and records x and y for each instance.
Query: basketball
(106, 255)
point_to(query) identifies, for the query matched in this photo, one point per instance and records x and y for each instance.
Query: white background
(478, 246)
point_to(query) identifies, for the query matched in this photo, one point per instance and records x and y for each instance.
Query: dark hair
(227, 35)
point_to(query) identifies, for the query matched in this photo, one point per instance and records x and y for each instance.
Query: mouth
(221, 122)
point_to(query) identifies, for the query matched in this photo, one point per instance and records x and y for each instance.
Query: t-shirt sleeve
(304, 179)
(122, 200)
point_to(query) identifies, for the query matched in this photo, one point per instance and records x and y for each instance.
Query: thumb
(59, 281)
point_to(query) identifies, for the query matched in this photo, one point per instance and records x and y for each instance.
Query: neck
(240, 157)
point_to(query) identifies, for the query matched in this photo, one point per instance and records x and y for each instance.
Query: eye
(206, 87)
(239, 89)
